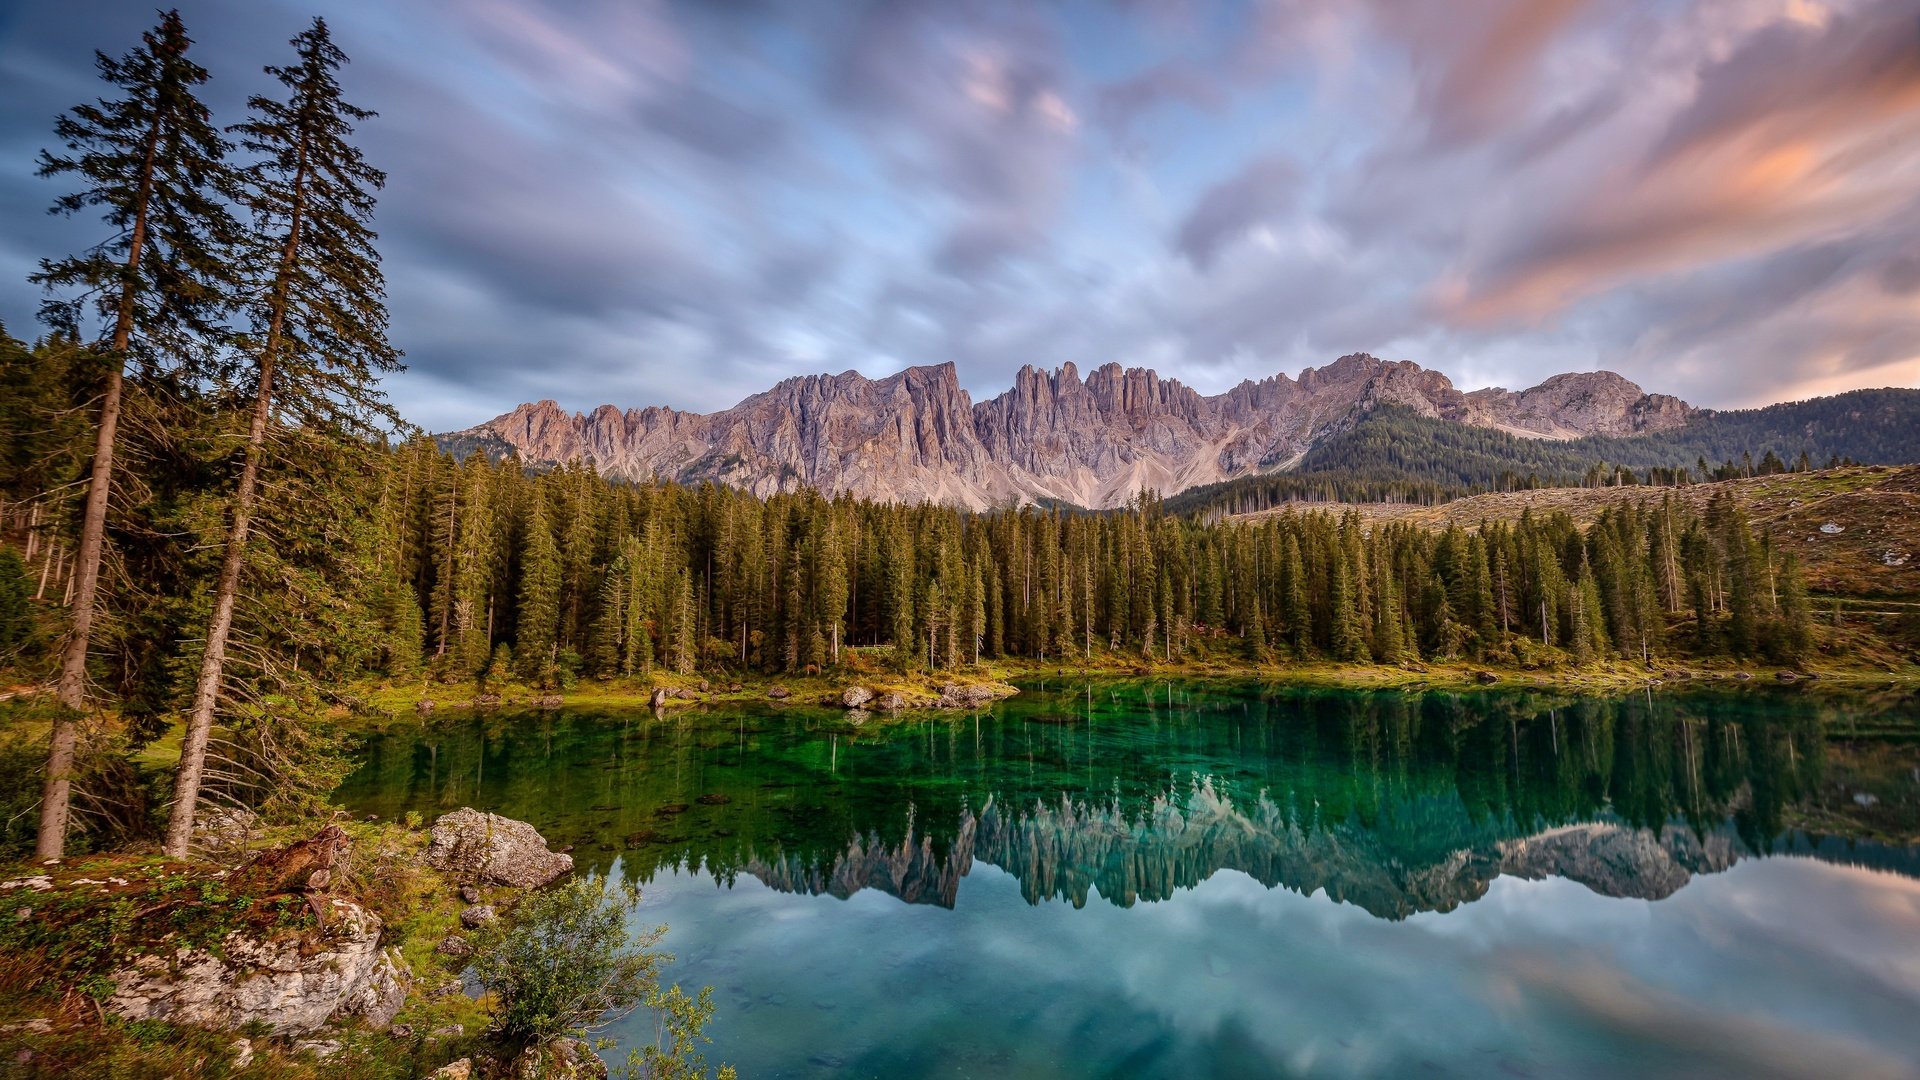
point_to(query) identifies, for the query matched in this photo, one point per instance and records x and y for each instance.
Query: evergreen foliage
(709, 579)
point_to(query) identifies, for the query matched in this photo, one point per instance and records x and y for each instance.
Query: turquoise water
(1154, 879)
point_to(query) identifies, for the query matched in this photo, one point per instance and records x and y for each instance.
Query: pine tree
(1294, 597)
(318, 343)
(538, 618)
(155, 166)
(1344, 632)
(1795, 633)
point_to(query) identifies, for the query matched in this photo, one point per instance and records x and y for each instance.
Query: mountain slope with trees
(1391, 454)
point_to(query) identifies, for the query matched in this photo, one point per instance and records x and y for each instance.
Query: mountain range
(1053, 437)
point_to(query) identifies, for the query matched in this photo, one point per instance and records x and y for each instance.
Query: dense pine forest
(489, 571)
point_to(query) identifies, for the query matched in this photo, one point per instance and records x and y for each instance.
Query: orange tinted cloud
(1805, 131)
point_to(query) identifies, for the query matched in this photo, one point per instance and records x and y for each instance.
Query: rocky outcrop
(291, 985)
(495, 850)
(917, 436)
(1581, 403)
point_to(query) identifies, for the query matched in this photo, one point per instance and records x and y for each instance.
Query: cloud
(1802, 132)
(590, 200)
(1263, 189)
(1122, 103)
(967, 103)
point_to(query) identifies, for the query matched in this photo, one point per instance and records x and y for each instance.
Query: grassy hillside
(1876, 508)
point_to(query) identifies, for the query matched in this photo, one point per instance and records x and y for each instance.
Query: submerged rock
(493, 849)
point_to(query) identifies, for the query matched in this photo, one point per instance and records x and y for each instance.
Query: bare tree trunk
(206, 690)
(56, 796)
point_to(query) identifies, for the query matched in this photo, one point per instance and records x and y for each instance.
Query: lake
(1197, 879)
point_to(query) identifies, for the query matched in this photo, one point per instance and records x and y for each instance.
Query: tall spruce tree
(151, 160)
(318, 341)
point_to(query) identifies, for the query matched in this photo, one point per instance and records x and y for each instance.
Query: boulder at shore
(292, 985)
(493, 849)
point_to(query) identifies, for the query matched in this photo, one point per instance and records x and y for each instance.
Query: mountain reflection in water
(1395, 803)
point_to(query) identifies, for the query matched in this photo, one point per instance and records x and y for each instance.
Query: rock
(550, 701)
(494, 850)
(562, 1059)
(401, 1031)
(320, 1048)
(461, 1069)
(1866, 799)
(1833, 528)
(972, 695)
(892, 701)
(478, 915)
(734, 688)
(290, 985)
(450, 1031)
(777, 693)
(242, 1050)
(659, 699)
(36, 1026)
(455, 946)
(223, 831)
(425, 705)
(1485, 677)
(381, 997)
(917, 436)
(853, 697)
(703, 686)
(469, 894)
(1787, 676)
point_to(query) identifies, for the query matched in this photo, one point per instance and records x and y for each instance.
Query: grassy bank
(1856, 661)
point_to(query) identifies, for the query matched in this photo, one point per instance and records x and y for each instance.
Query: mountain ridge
(917, 435)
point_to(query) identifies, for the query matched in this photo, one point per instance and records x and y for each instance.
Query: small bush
(566, 964)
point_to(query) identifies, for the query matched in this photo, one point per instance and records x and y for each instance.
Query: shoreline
(1005, 678)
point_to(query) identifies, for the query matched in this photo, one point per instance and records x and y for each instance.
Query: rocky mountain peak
(917, 435)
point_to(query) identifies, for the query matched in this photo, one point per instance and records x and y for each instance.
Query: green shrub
(566, 963)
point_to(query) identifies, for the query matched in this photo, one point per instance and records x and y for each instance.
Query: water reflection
(1131, 792)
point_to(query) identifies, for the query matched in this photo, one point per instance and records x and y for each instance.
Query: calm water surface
(1153, 879)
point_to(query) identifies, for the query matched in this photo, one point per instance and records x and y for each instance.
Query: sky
(645, 202)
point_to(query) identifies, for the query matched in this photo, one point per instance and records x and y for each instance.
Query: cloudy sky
(655, 202)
